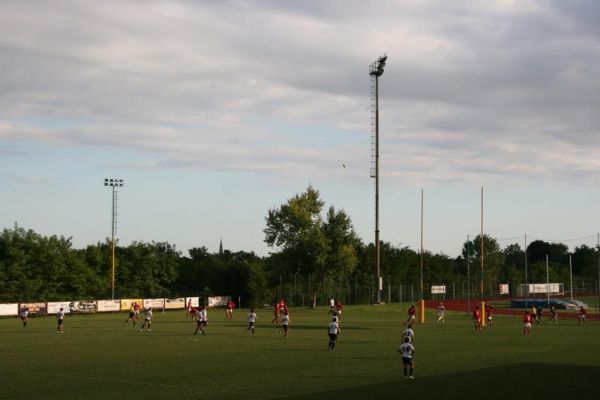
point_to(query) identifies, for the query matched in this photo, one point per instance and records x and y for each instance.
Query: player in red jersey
(412, 315)
(229, 309)
(280, 307)
(136, 310)
(526, 323)
(581, 316)
(477, 318)
(338, 310)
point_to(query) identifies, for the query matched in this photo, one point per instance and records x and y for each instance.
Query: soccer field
(98, 358)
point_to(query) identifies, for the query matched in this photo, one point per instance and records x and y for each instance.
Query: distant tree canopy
(317, 255)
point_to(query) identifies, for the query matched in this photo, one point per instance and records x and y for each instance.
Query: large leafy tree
(493, 259)
(309, 243)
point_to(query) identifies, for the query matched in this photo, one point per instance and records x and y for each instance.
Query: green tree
(309, 244)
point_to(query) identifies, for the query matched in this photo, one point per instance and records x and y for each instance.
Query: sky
(214, 112)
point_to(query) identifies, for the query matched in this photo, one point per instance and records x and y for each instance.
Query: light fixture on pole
(114, 184)
(375, 71)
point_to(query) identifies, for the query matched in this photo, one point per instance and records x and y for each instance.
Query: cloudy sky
(213, 112)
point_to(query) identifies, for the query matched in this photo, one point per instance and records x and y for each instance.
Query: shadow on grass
(529, 381)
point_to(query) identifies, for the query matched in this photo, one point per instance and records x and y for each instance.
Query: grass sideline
(97, 358)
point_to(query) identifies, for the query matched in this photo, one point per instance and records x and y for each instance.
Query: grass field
(97, 358)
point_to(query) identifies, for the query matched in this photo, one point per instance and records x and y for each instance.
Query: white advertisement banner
(503, 288)
(172, 304)
(55, 306)
(218, 301)
(154, 303)
(108, 305)
(441, 289)
(544, 288)
(85, 306)
(195, 301)
(9, 309)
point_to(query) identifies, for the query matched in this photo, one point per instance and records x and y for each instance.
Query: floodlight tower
(114, 184)
(375, 71)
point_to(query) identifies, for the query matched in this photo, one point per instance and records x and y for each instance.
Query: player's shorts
(147, 319)
(131, 314)
(333, 337)
(527, 325)
(339, 312)
(489, 318)
(285, 328)
(582, 317)
(204, 323)
(407, 360)
(250, 324)
(23, 317)
(60, 322)
(199, 323)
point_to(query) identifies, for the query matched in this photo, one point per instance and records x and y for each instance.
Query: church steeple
(221, 247)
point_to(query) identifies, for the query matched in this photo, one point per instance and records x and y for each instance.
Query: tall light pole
(375, 71)
(114, 184)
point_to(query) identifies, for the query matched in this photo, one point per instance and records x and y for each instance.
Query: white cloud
(496, 88)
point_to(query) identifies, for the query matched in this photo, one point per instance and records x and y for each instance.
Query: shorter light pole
(114, 184)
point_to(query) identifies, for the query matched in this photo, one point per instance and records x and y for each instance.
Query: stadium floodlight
(114, 184)
(375, 71)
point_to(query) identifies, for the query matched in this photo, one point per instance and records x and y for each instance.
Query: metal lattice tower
(375, 71)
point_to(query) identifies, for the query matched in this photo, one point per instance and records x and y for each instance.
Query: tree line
(315, 254)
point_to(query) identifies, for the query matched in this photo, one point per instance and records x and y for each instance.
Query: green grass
(98, 358)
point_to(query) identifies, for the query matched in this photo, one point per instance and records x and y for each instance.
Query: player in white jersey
(60, 318)
(201, 320)
(333, 330)
(408, 334)
(285, 325)
(251, 317)
(147, 319)
(441, 311)
(407, 350)
(24, 315)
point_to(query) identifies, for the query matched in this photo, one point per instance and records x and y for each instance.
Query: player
(202, 320)
(131, 317)
(534, 313)
(251, 317)
(553, 315)
(407, 350)
(538, 316)
(441, 311)
(280, 307)
(477, 318)
(136, 309)
(333, 331)
(412, 314)
(147, 320)
(581, 316)
(331, 305)
(338, 310)
(189, 311)
(285, 324)
(408, 334)
(71, 308)
(24, 315)
(526, 323)
(229, 309)
(60, 319)
(488, 314)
